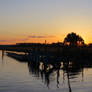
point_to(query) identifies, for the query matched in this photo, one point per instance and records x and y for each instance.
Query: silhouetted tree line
(71, 40)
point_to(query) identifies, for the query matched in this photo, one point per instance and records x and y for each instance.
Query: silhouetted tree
(73, 39)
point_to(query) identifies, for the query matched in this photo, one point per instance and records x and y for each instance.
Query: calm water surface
(17, 76)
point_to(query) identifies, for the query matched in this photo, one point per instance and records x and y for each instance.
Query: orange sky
(51, 20)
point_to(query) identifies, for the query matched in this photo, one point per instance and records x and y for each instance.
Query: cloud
(25, 39)
(41, 36)
(13, 40)
(3, 40)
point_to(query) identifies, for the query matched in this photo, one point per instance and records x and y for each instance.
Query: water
(18, 76)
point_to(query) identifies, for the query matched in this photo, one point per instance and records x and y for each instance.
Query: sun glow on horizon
(41, 40)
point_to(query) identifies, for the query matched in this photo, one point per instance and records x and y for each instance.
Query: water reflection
(48, 71)
(45, 71)
(2, 56)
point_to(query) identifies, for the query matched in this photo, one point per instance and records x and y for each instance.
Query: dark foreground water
(17, 76)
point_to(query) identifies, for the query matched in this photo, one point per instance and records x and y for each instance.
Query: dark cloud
(12, 40)
(27, 38)
(33, 36)
(3, 40)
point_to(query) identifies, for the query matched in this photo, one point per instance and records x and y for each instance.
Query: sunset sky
(40, 20)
